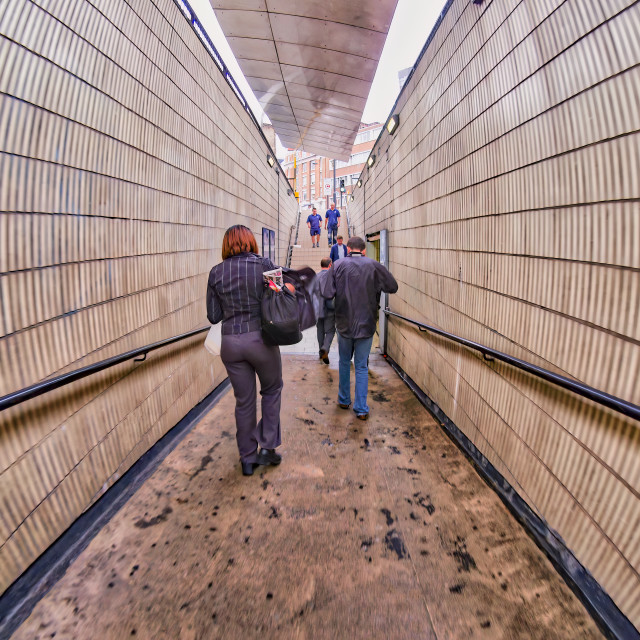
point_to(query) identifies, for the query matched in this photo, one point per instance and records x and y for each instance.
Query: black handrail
(290, 248)
(346, 211)
(59, 381)
(606, 399)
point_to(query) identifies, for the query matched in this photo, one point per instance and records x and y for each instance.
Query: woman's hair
(238, 239)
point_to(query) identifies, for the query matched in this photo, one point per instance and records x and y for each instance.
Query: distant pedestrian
(325, 313)
(356, 283)
(332, 222)
(314, 220)
(338, 250)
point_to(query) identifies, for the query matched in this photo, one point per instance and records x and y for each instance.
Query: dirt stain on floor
(142, 523)
(336, 542)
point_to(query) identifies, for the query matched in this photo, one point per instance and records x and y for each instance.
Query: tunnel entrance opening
(373, 246)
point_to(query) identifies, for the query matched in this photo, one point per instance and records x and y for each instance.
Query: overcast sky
(412, 24)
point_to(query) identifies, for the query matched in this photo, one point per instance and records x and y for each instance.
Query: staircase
(305, 255)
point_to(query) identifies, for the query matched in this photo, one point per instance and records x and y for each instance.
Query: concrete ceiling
(310, 63)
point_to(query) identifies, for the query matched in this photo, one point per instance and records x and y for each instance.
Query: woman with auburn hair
(234, 293)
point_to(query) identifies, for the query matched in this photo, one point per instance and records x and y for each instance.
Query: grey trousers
(243, 356)
(326, 328)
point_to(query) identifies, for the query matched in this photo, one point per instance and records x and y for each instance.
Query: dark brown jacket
(356, 282)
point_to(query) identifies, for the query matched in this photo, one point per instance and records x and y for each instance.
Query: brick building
(311, 171)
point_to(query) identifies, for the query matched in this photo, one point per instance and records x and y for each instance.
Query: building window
(359, 158)
(366, 136)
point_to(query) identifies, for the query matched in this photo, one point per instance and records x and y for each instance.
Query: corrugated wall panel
(510, 191)
(125, 155)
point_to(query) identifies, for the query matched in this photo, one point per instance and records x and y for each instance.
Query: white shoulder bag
(214, 339)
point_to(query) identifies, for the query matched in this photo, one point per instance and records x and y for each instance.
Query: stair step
(303, 254)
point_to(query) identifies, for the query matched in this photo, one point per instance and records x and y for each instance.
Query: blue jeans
(359, 350)
(333, 232)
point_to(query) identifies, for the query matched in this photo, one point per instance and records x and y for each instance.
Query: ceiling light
(270, 160)
(392, 123)
(371, 160)
(359, 183)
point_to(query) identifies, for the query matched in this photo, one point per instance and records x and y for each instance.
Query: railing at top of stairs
(292, 241)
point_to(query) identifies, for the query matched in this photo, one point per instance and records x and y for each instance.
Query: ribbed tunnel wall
(510, 191)
(125, 155)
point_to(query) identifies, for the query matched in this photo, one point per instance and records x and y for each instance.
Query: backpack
(280, 317)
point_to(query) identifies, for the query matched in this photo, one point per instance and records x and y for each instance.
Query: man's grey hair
(356, 243)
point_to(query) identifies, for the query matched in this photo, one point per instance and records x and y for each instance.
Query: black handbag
(280, 317)
(303, 280)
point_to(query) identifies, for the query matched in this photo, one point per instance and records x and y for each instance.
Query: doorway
(378, 249)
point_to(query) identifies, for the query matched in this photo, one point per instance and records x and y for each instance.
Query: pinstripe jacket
(234, 292)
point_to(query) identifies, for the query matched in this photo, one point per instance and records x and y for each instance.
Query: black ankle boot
(269, 456)
(248, 467)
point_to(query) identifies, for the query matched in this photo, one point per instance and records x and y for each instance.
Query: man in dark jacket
(325, 314)
(338, 250)
(356, 282)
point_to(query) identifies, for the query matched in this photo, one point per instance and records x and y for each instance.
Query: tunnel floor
(377, 529)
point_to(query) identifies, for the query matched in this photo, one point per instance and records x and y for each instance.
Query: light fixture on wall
(289, 192)
(359, 183)
(270, 160)
(353, 198)
(371, 160)
(393, 123)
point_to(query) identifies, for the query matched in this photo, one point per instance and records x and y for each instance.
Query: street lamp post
(334, 181)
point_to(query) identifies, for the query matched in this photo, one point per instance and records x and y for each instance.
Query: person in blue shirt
(332, 222)
(314, 220)
(338, 250)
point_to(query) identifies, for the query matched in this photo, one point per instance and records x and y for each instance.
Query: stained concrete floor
(377, 529)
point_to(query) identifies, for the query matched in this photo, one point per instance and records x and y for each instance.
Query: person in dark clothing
(325, 314)
(234, 292)
(356, 283)
(338, 250)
